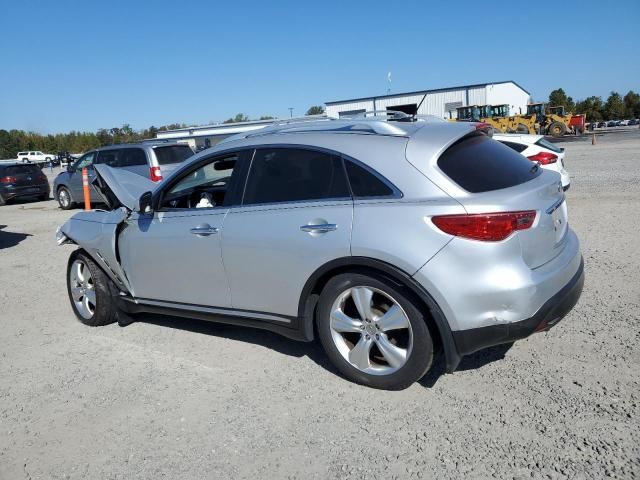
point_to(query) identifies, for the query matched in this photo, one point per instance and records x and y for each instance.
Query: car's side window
(131, 157)
(205, 187)
(109, 157)
(86, 161)
(365, 183)
(291, 175)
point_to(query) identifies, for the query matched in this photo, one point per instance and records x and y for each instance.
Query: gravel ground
(168, 398)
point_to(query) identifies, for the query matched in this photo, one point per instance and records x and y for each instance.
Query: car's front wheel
(64, 198)
(89, 291)
(373, 332)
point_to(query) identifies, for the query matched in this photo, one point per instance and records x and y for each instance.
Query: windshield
(172, 154)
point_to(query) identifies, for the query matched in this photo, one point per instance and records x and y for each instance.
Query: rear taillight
(155, 174)
(8, 179)
(545, 158)
(485, 128)
(42, 177)
(488, 227)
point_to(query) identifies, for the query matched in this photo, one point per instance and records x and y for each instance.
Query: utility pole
(290, 112)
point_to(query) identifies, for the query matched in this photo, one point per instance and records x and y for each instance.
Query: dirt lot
(168, 398)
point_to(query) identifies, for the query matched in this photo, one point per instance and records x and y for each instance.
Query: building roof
(418, 92)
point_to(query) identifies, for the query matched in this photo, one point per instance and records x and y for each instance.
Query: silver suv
(389, 241)
(150, 159)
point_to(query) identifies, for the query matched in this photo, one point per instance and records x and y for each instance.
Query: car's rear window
(480, 164)
(22, 170)
(548, 145)
(172, 154)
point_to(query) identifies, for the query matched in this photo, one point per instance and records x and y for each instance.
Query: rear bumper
(554, 310)
(29, 191)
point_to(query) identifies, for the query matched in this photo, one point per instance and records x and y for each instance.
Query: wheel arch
(436, 321)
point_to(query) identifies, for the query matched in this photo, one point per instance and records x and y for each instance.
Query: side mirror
(144, 203)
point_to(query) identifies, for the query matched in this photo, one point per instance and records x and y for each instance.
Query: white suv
(34, 157)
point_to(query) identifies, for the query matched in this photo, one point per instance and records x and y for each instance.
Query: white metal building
(441, 102)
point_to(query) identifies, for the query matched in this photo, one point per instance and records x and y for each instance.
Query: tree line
(616, 107)
(14, 141)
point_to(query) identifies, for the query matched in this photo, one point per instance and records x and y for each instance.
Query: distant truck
(34, 157)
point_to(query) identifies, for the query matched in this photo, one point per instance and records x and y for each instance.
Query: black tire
(522, 128)
(25, 160)
(105, 311)
(61, 202)
(557, 129)
(496, 130)
(2, 201)
(420, 357)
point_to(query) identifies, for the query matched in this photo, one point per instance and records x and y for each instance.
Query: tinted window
(130, 157)
(548, 145)
(109, 157)
(518, 147)
(290, 175)
(479, 164)
(172, 154)
(364, 183)
(22, 170)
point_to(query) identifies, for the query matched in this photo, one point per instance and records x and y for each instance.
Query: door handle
(319, 228)
(205, 229)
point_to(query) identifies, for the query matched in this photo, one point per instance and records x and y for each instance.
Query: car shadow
(264, 338)
(11, 239)
(474, 361)
(312, 350)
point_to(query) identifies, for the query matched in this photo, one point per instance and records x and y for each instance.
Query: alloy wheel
(371, 330)
(64, 198)
(82, 289)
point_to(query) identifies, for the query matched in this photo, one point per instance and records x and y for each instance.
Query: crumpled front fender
(96, 232)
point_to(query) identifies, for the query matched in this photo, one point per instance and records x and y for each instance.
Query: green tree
(632, 105)
(315, 110)
(240, 117)
(266, 117)
(592, 107)
(559, 98)
(614, 108)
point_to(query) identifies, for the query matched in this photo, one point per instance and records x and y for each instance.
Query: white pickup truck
(34, 157)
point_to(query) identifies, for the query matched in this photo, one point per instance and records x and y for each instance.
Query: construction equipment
(550, 121)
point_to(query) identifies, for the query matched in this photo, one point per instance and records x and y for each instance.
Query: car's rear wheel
(89, 291)
(373, 333)
(64, 198)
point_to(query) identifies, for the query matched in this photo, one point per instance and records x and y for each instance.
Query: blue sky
(83, 65)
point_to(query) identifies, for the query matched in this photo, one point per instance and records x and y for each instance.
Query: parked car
(602, 124)
(391, 240)
(19, 180)
(631, 122)
(34, 157)
(538, 149)
(152, 160)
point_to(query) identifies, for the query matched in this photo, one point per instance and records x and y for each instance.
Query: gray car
(389, 241)
(154, 160)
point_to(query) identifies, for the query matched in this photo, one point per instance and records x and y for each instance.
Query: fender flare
(311, 292)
